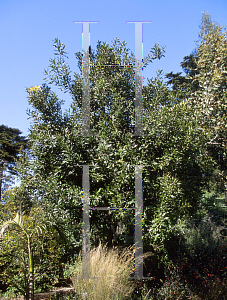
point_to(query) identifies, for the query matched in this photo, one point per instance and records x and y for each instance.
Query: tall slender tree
(210, 97)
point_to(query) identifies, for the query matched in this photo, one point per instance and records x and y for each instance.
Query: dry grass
(112, 269)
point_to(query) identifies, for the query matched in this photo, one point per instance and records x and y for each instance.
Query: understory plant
(109, 272)
(200, 269)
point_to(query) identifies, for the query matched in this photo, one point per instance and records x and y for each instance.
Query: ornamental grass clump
(111, 269)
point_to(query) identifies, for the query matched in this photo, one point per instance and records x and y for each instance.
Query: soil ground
(45, 296)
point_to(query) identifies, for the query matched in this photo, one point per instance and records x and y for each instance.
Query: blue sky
(28, 28)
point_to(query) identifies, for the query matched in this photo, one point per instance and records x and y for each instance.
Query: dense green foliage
(183, 151)
(11, 145)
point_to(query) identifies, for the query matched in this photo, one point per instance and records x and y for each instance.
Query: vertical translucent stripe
(138, 223)
(138, 77)
(85, 75)
(86, 86)
(138, 80)
(86, 224)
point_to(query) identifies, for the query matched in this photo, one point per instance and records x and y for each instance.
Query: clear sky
(28, 28)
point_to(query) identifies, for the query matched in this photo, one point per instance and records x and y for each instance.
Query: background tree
(205, 84)
(210, 98)
(185, 82)
(11, 144)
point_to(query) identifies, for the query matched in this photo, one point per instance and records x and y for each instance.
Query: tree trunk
(31, 286)
(31, 273)
(26, 296)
